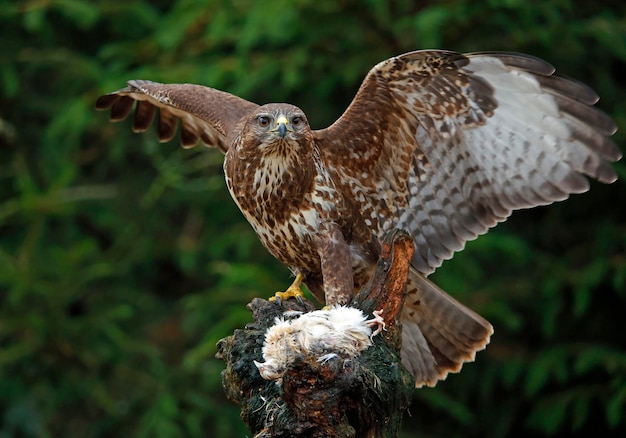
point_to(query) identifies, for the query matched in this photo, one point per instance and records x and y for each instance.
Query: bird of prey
(441, 144)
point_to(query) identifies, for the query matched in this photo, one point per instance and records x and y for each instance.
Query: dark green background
(123, 261)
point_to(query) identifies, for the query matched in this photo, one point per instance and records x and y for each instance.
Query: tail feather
(439, 334)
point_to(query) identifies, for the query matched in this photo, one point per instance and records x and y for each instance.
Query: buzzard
(441, 144)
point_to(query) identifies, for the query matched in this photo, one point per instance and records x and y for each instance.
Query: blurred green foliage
(123, 261)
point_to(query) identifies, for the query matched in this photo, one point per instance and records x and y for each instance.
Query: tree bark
(365, 396)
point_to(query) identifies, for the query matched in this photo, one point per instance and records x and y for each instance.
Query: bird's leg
(293, 291)
(377, 321)
(334, 255)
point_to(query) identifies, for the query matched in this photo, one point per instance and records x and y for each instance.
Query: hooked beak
(282, 127)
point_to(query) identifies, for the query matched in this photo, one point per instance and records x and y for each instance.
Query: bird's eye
(296, 120)
(264, 121)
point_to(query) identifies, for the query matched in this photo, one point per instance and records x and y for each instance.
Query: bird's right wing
(206, 114)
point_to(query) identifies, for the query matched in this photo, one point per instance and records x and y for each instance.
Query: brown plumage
(440, 144)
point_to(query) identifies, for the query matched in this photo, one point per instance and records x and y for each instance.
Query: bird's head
(277, 128)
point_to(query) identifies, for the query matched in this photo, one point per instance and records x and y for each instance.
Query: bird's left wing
(446, 145)
(206, 114)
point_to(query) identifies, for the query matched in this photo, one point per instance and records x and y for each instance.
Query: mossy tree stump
(365, 396)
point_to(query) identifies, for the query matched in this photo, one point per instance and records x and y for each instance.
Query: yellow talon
(292, 291)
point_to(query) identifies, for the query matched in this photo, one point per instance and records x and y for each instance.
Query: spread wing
(446, 145)
(205, 114)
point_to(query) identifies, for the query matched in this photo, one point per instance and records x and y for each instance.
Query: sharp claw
(292, 291)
